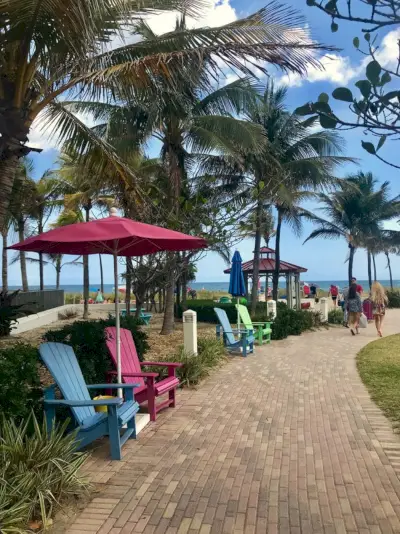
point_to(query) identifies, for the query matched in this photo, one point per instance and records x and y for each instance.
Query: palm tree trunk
(86, 274)
(275, 278)
(369, 268)
(184, 285)
(101, 275)
(374, 264)
(41, 265)
(390, 270)
(58, 272)
(169, 319)
(256, 262)
(4, 261)
(8, 167)
(128, 286)
(22, 256)
(175, 179)
(351, 261)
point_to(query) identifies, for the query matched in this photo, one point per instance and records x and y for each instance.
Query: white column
(324, 308)
(271, 308)
(190, 332)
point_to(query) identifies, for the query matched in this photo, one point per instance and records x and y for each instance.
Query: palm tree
(74, 55)
(356, 212)
(56, 260)
(21, 208)
(295, 159)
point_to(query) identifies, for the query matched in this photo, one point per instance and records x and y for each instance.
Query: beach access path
(286, 440)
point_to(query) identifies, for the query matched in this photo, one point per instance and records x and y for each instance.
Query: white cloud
(339, 70)
(336, 69)
(214, 13)
(388, 52)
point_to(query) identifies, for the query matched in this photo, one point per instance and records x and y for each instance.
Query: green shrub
(37, 473)
(289, 322)
(394, 298)
(211, 354)
(88, 340)
(19, 381)
(336, 316)
(9, 313)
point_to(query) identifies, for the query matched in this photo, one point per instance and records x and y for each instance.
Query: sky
(324, 259)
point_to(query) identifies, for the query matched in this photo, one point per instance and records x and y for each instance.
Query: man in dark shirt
(359, 287)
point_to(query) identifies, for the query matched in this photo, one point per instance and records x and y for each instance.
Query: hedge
(205, 310)
(394, 298)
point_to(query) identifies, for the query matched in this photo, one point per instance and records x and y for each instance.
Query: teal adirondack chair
(63, 365)
(262, 330)
(146, 317)
(246, 341)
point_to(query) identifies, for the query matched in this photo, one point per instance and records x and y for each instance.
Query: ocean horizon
(209, 286)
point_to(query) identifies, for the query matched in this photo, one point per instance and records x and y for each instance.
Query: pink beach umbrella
(112, 235)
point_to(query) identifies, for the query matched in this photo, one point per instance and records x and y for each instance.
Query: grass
(379, 367)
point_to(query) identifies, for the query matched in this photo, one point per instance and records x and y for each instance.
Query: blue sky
(323, 259)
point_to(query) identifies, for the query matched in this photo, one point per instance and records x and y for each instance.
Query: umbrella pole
(117, 325)
(238, 317)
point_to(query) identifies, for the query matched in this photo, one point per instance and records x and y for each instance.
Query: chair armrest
(260, 323)
(165, 364)
(113, 386)
(116, 401)
(135, 375)
(142, 375)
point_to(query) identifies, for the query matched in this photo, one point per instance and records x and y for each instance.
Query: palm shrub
(88, 339)
(38, 472)
(289, 322)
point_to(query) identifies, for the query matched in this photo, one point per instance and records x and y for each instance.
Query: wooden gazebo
(290, 271)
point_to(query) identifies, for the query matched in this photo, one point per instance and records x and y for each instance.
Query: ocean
(213, 286)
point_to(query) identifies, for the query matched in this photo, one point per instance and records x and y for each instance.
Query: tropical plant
(294, 160)
(56, 260)
(75, 55)
(39, 470)
(356, 212)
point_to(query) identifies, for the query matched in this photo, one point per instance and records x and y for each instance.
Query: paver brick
(285, 440)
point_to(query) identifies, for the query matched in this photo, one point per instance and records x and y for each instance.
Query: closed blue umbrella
(236, 280)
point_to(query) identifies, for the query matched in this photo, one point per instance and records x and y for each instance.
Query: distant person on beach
(99, 297)
(359, 287)
(306, 291)
(354, 308)
(379, 303)
(313, 290)
(333, 293)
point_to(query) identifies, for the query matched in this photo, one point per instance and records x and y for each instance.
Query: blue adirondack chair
(245, 343)
(61, 361)
(146, 317)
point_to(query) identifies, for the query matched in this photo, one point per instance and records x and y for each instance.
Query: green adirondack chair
(262, 331)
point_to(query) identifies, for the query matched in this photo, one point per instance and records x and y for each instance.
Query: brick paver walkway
(286, 440)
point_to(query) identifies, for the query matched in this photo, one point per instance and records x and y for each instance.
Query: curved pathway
(286, 440)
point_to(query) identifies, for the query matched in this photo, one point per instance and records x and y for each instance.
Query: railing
(38, 301)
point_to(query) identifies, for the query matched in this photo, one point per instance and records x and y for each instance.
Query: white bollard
(323, 308)
(190, 332)
(271, 308)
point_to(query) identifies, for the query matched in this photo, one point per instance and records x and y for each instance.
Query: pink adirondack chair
(132, 373)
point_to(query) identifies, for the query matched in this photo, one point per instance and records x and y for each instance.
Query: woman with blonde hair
(379, 302)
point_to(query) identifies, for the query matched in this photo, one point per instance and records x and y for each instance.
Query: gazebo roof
(267, 265)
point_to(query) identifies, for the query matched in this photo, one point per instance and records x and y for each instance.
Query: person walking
(333, 293)
(379, 302)
(354, 307)
(99, 297)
